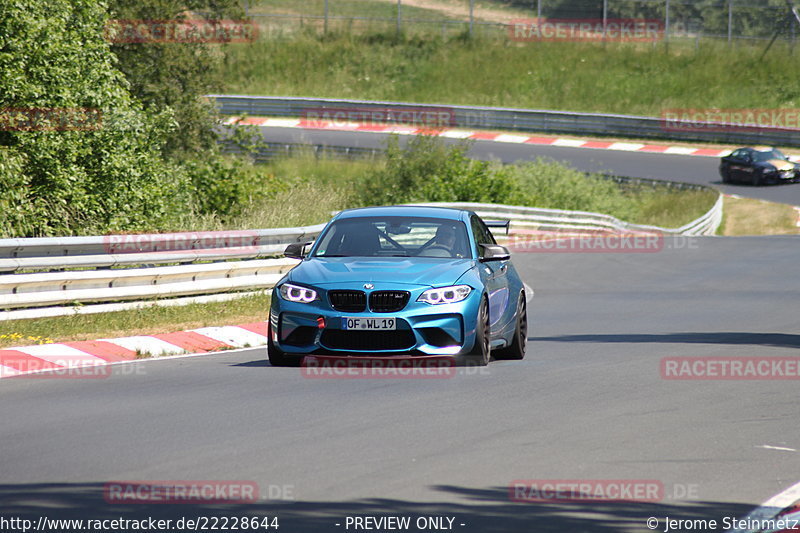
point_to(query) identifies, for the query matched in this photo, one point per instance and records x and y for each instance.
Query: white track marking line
(772, 507)
(282, 122)
(626, 147)
(780, 448)
(569, 143)
(7, 371)
(233, 336)
(680, 150)
(457, 134)
(147, 344)
(61, 355)
(507, 138)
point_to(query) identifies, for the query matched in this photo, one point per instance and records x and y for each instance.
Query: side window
(481, 233)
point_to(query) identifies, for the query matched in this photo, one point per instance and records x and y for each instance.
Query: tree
(60, 172)
(173, 74)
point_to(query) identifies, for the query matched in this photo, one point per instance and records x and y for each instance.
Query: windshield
(766, 155)
(394, 237)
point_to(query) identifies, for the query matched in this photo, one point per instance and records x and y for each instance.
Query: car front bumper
(421, 329)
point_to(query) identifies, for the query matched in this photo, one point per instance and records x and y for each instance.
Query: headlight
(445, 295)
(293, 293)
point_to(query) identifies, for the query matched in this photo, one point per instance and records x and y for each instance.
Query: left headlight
(295, 293)
(445, 295)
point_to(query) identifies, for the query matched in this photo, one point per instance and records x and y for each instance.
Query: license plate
(369, 324)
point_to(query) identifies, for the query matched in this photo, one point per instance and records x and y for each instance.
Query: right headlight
(445, 295)
(295, 293)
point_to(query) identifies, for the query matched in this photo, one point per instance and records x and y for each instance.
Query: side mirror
(494, 252)
(296, 250)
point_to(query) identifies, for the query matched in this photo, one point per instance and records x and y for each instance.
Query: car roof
(447, 213)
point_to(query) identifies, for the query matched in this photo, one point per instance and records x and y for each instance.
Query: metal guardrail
(126, 250)
(556, 220)
(527, 120)
(55, 293)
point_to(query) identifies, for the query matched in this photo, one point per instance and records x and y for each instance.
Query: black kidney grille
(340, 339)
(388, 301)
(348, 301)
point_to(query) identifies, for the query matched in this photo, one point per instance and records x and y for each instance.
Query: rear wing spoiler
(491, 224)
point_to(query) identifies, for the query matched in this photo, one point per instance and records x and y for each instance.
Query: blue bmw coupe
(400, 281)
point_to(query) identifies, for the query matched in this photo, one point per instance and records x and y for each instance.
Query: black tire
(516, 350)
(725, 176)
(278, 357)
(481, 352)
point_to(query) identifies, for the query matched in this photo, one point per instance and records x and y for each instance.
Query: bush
(105, 178)
(550, 184)
(427, 170)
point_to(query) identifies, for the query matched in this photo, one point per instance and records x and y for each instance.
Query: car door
(745, 167)
(495, 277)
(734, 163)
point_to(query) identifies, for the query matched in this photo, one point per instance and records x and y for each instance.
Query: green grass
(147, 321)
(618, 78)
(339, 8)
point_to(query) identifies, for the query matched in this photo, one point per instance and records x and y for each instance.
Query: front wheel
(516, 350)
(482, 351)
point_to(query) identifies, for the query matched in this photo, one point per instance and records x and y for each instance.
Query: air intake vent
(348, 301)
(388, 301)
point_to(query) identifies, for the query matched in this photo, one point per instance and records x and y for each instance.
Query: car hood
(781, 164)
(319, 271)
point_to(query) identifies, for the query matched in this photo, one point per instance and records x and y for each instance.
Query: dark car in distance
(758, 166)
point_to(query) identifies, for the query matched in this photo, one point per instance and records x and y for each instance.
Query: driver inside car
(443, 243)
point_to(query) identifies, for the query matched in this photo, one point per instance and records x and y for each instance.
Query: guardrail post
(730, 22)
(471, 16)
(325, 26)
(399, 16)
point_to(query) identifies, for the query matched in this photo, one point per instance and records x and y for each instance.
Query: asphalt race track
(589, 403)
(691, 169)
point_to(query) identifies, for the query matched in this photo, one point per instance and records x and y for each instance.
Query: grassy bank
(618, 78)
(428, 171)
(147, 321)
